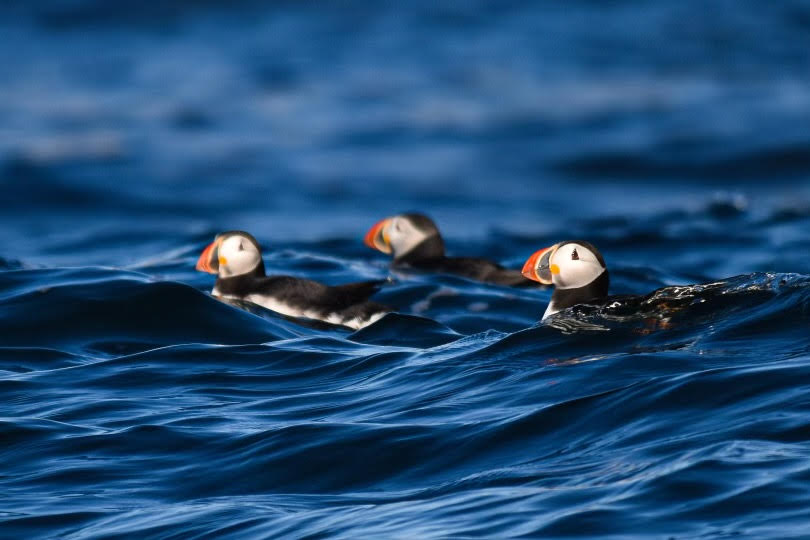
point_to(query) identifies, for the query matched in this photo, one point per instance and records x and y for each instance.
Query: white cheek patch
(240, 263)
(406, 238)
(577, 264)
(575, 274)
(240, 255)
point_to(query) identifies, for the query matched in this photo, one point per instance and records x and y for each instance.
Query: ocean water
(674, 136)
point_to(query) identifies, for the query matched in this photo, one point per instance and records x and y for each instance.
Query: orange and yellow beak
(377, 236)
(209, 258)
(537, 268)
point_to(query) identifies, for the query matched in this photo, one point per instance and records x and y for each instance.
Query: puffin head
(232, 253)
(572, 264)
(406, 236)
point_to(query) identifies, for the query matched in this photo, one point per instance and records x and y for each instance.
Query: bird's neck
(431, 247)
(240, 284)
(565, 298)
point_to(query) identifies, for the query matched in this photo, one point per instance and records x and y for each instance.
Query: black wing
(309, 294)
(340, 297)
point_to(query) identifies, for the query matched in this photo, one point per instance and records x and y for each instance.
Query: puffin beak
(377, 236)
(209, 261)
(537, 268)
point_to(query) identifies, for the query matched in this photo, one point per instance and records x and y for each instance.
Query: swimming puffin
(580, 277)
(415, 242)
(236, 258)
(575, 268)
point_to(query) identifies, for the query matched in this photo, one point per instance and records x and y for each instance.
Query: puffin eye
(574, 255)
(241, 247)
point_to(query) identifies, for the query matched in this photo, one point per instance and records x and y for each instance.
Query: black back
(473, 268)
(305, 293)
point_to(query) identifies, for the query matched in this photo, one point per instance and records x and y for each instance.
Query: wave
(152, 398)
(120, 315)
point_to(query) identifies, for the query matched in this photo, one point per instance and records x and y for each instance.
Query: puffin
(581, 281)
(414, 242)
(575, 268)
(236, 258)
(581, 278)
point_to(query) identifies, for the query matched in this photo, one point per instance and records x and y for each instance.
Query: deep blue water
(673, 135)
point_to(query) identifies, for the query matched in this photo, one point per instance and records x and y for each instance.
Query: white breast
(550, 310)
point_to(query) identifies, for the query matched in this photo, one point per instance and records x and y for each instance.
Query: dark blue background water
(673, 135)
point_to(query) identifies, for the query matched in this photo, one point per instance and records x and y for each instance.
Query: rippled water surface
(674, 136)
